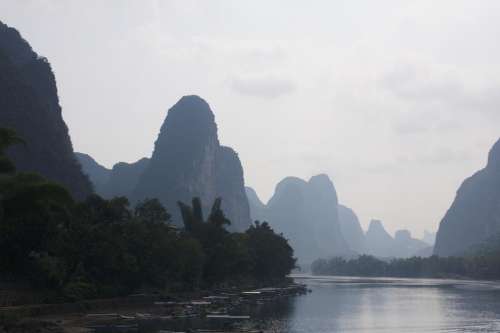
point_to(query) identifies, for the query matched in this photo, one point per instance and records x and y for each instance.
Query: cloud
(437, 156)
(434, 98)
(267, 87)
(424, 84)
(442, 90)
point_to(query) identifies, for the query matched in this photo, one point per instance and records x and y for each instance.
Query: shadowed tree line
(481, 264)
(99, 248)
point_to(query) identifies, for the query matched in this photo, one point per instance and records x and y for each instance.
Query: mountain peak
(473, 215)
(253, 196)
(14, 46)
(494, 156)
(290, 183)
(188, 161)
(194, 102)
(321, 178)
(376, 225)
(30, 106)
(402, 235)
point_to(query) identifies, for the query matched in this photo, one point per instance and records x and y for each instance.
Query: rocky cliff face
(98, 174)
(474, 215)
(188, 162)
(351, 230)
(29, 104)
(306, 213)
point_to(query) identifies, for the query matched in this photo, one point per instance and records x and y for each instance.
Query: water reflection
(373, 305)
(393, 305)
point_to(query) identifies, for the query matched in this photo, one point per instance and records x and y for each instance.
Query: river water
(340, 304)
(344, 304)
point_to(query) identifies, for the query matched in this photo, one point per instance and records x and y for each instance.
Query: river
(340, 304)
(349, 304)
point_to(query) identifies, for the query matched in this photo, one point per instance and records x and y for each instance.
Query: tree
(151, 211)
(217, 217)
(32, 209)
(271, 253)
(8, 138)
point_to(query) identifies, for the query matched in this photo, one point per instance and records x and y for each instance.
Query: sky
(397, 101)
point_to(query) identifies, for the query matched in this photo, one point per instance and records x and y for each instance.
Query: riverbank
(213, 309)
(485, 266)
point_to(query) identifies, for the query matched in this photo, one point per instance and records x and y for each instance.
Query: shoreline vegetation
(68, 251)
(481, 265)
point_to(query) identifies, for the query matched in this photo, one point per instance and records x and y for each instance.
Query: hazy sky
(398, 101)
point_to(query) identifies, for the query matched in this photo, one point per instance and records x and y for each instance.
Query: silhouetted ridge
(405, 246)
(309, 215)
(253, 197)
(15, 47)
(378, 240)
(257, 207)
(121, 180)
(98, 174)
(429, 237)
(474, 215)
(289, 191)
(230, 185)
(351, 230)
(124, 178)
(188, 162)
(494, 156)
(188, 130)
(306, 213)
(29, 104)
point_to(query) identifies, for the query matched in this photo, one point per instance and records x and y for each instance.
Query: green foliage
(271, 253)
(79, 290)
(47, 271)
(151, 211)
(6, 166)
(33, 210)
(478, 266)
(258, 253)
(216, 242)
(100, 248)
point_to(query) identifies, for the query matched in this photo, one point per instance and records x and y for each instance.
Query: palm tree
(192, 216)
(217, 216)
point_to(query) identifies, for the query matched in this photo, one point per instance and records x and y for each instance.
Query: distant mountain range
(306, 213)
(309, 215)
(121, 180)
(189, 161)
